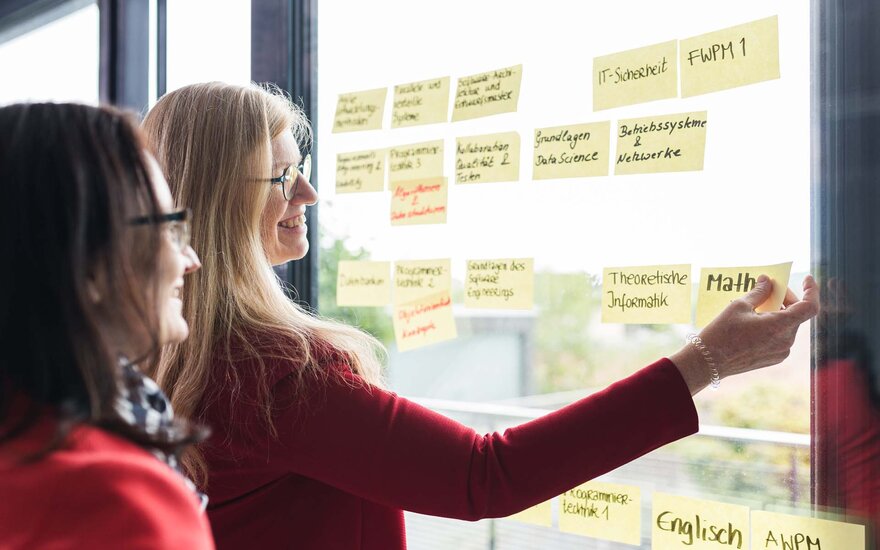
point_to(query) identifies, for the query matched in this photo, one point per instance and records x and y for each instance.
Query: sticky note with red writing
(424, 322)
(419, 202)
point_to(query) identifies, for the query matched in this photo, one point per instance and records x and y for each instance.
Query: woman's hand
(740, 339)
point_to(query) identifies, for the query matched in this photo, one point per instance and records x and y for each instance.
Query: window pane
(55, 62)
(748, 206)
(207, 42)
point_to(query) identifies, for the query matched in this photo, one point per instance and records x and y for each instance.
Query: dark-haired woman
(94, 262)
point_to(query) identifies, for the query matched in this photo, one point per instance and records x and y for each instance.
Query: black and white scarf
(142, 403)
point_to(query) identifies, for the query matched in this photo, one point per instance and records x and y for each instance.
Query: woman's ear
(93, 292)
(96, 285)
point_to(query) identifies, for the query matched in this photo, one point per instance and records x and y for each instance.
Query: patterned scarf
(142, 403)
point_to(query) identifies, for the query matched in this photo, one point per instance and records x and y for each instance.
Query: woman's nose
(305, 193)
(192, 260)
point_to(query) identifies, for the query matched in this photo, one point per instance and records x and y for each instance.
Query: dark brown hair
(71, 179)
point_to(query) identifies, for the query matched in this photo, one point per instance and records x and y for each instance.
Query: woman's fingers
(790, 297)
(807, 307)
(742, 340)
(759, 294)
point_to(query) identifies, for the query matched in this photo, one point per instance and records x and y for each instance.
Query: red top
(848, 440)
(350, 458)
(98, 491)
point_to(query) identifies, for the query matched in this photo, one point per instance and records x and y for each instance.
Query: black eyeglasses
(177, 225)
(290, 181)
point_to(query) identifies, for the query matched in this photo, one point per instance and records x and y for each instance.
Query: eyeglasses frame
(304, 170)
(179, 218)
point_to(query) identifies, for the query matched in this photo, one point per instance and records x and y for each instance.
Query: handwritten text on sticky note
(647, 294)
(358, 111)
(363, 283)
(416, 103)
(424, 322)
(687, 523)
(635, 76)
(665, 143)
(489, 158)
(731, 57)
(500, 284)
(603, 511)
(416, 161)
(772, 531)
(360, 172)
(488, 93)
(419, 202)
(721, 285)
(416, 279)
(571, 151)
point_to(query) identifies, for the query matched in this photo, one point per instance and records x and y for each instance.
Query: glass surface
(208, 41)
(55, 62)
(749, 206)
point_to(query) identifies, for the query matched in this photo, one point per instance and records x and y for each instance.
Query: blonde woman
(309, 450)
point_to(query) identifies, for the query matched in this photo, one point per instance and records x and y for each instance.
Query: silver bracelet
(697, 342)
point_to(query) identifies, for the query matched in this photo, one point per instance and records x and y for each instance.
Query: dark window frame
(125, 55)
(283, 52)
(845, 103)
(18, 17)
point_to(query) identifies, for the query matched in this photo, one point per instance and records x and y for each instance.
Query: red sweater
(99, 492)
(348, 459)
(848, 441)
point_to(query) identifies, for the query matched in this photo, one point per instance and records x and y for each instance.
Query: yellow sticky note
(489, 158)
(417, 279)
(603, 511)
(687, 523)
(664, 143)
(486, 94)
(635, 76)
(416, 161)
(731, 57)
(358, 111)
(647, 294)
(772, 531)
(360, 172)
(417, 103)
(419, 202)
(507, 283)
(361, 283)
(539, 514)
(424, 322)
(574, 151)
(721, 285)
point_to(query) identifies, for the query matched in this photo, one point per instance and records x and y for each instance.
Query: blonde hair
(213, 140)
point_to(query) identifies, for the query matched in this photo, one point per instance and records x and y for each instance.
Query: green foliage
(573, 349)
(761, 471)
(563, 352)
(374, 320)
